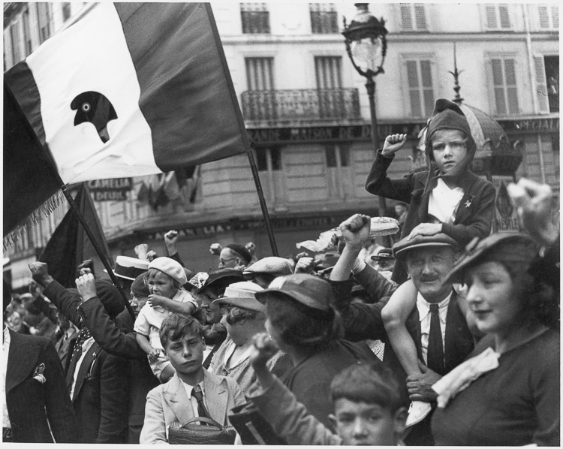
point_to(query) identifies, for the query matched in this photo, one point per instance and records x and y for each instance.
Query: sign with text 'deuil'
(110, 189)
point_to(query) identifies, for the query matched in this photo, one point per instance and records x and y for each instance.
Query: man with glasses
(234, 256)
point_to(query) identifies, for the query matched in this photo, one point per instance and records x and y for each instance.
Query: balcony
(301, 105)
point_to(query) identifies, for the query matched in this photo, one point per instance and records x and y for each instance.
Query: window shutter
(544, 16)
(406, 16)
(414, 88)
(555, 16)
(491, 17)
(511, 89)
(504, 16)
(420, 16)
(498, 86)
(427, 91)
(541, 84)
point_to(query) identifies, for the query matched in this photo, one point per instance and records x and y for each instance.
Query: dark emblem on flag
(95, 108)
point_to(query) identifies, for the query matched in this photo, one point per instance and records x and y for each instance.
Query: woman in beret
(508, 393)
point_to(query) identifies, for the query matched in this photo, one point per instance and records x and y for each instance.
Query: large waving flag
(131, 89)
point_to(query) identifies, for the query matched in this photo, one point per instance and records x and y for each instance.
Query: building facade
(307, 113)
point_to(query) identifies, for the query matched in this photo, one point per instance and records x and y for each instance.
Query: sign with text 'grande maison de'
(110, 189)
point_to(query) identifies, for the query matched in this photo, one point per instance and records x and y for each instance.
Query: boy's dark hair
(370, 383)
(176, 327)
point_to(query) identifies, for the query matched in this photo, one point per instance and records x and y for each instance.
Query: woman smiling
(511, 387)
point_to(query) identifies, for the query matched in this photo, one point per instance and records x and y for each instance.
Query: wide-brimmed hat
(130, 267)
(242, 294)
(504, 246)
(407, 244)
(311, 291)
(222, 275)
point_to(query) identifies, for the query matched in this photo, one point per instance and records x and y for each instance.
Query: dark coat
(473, 217)
(119, 343)
(101, 393)
(33, 406)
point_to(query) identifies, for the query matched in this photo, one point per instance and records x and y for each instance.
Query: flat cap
(270, 265)
(420, 241)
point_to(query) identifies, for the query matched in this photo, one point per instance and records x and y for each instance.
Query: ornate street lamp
(366, 45)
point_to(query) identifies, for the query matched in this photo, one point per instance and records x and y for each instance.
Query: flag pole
(52, 167)
(244, 135)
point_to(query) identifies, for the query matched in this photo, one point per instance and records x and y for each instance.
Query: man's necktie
(435, 354)
(198, 395)
(76, 353)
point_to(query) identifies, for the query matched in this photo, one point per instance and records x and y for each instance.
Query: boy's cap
(277, 266)
(447, 115)
(505, 246)
(228, 275)
(171, 268)
(383, 253)
(407, 244)
(130, 267)
(139, 287)
(242, 294)
(241, 251)
(306, 289)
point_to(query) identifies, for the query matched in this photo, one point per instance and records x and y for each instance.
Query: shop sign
(110, 189)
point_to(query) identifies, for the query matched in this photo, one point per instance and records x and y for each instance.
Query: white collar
(424, 306)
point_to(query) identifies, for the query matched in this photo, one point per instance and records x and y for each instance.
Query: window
(43, 21)
(421, 92)
(66, 11)
(255, 18)
(337, 156)
(328, 70)
(323, 18)
(26, 32)
(550, 66)
(549, 17)
(413, 17)
(497, 17)
(259, 73)
(268, 159)
(15, 41)
(504, 85)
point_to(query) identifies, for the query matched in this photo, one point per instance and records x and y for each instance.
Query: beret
(171, 268)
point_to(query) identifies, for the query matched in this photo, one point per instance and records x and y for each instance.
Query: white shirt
(423, 307)
(85, 348)
(443, 202)
(5, 351)
(193, 400)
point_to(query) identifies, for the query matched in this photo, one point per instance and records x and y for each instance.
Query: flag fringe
(38, 214)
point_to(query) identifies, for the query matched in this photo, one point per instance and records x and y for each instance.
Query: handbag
(193, 433)
(252, 427)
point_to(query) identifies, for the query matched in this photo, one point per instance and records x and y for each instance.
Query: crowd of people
(450, 337)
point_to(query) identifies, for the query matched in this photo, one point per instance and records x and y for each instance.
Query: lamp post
(366, 45)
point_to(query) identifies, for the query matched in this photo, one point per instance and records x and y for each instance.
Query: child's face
(360, 423)
(449, 149)
(162, 284)
(186, 354)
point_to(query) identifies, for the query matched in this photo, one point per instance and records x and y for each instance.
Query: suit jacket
(101, 393)
(473, 217)
(169, 403)
(34, 407)
(101, 396)
(119, 343)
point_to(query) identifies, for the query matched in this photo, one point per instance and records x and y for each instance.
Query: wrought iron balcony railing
(302, 104)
